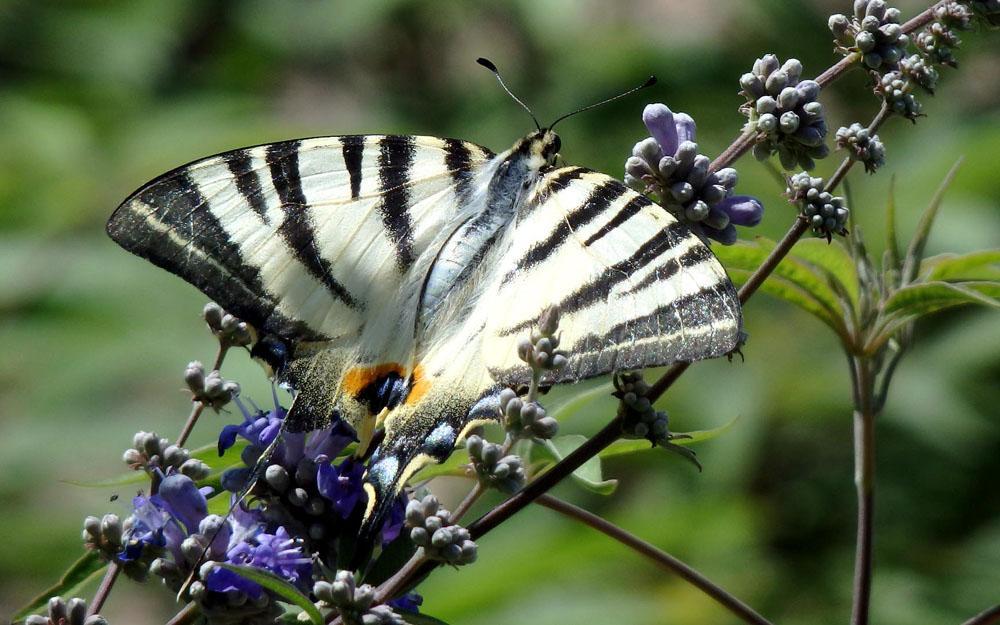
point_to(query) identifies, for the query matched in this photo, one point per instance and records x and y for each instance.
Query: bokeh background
(98, 97)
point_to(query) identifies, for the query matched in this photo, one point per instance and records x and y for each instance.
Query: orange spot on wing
(419, 385)
(356, 379)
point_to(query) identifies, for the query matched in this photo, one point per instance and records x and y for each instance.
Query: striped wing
(635, 287)
(304, 238)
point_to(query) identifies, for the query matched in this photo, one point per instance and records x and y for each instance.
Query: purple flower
(341, 484)
(743, 210)
(410, 602)
(262, 428)
(668, 128)
(278, 553)
(259, 428)
(168, 517)
(395, 519)
(668, 165)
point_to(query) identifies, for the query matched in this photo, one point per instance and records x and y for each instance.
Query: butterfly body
(389, 278)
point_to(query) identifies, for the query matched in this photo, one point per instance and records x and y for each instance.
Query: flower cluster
(641, 420)
(150, 453)
(175, 522)
(106, 536)
(304, 487)
(431, 529)
(861, 146)
(938, 39)
(73, 612)
(230, 331)
(209, 388)
(827, 215)
(784, 112)
(919, 71)
(896, 91)
(668, 165)
(874, 33)
(492, 467)
(353, 602)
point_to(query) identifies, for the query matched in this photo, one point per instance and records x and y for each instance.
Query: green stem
(864, 480)
(657, 556)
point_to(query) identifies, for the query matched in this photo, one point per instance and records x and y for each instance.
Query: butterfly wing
(301, 238)
(635, 288)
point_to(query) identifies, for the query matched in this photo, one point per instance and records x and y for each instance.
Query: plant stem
(986, 617)
(864, 480)
(470, 499)
(107, 583)
(187, 615)
(198, 407)
(658, 556)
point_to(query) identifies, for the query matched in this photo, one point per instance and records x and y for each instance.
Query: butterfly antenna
(488, 64)
(258, 470)
(649, 83)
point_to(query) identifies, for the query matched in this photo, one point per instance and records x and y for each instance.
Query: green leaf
(927, 297)
(589, 475)
(278, 586)
(454, 466)
(811, 291)
(983, 265)
(915, 252)
(623, 446)
(833, 260)
(569, 407)
(209, 454)
(783, 289)
(891, 240)
(76, 576)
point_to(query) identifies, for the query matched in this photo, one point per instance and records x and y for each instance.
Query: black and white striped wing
(303, 238)
(634, 286)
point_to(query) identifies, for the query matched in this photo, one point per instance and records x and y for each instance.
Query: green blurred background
(98, 97)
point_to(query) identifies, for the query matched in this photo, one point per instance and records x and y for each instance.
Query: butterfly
(388, 279)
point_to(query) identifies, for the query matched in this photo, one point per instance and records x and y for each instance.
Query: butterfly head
(539, 149)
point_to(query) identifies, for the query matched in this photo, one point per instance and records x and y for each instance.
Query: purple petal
(743, 210)
(726, 236)
(660, 123)
(685, 127)
(227, 438)
(185, 502)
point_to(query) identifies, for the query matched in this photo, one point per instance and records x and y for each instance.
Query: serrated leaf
(915, 251)
(76, 576)
(833, 259)
(589, 475)
(927, 297)
(982, 265)
(748, 256)
(280, 587)
(628, 446)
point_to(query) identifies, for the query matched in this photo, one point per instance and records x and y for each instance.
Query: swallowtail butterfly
(389, 278)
